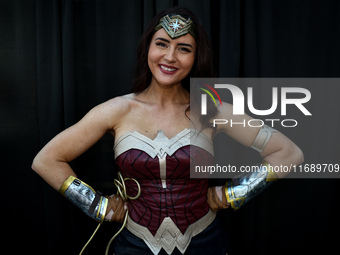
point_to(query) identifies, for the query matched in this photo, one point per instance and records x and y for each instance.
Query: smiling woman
(166, 212)
(170, 60)
(189, 26)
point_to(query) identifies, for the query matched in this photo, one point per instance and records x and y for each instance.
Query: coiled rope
(121, 190)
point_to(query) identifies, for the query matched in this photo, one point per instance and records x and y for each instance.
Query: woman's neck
(165, 95)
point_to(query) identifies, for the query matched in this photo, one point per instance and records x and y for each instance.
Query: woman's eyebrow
(162, 39)
(185, 44)
(165, 40)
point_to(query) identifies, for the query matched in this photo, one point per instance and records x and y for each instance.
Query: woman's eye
(184, 49)
(160, 44)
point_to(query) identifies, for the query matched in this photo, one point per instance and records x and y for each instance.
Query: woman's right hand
(116, 208)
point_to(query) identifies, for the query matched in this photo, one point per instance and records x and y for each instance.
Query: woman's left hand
(216, 198)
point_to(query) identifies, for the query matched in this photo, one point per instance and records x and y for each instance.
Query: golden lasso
(121, 190)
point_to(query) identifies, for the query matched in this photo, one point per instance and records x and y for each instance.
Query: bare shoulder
(117, 104)
(115, 109)
(121, 102)
(118, 109)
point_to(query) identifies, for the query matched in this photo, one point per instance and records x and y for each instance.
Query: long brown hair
(202, 67)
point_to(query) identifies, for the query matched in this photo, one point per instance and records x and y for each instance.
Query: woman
(173, 214)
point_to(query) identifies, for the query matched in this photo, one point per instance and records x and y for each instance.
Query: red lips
(166, 69)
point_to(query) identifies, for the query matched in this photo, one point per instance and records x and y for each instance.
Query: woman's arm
(277, 151)
(51, 163)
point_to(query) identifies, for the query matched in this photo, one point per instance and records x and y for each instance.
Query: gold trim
(232, 201)
(102, 205)
(229, 200)
(66, 184)
(227, 193)
(87, 185)
(105, 208)
(99, 206)
(271, 176)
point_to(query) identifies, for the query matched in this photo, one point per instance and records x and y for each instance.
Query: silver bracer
(246, 186)
(85, 198)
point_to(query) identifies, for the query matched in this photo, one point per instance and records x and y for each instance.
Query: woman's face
(170, 61)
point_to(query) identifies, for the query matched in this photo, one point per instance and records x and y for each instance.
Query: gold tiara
(176, 26)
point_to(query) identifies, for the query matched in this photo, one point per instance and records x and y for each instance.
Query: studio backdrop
(60, 58)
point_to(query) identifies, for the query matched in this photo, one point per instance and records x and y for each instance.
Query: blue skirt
(211, 241)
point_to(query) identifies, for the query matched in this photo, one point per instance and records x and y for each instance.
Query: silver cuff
(246, 186)
(85, 198)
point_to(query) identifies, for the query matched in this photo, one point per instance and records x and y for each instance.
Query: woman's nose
(170, 56)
